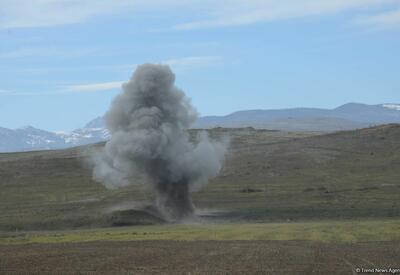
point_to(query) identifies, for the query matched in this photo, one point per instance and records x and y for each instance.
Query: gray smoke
(148, 122)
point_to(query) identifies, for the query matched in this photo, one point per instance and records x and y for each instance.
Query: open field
(198, 257)
(268, 176)
(326, 231)
(284, 202)
(330, 247)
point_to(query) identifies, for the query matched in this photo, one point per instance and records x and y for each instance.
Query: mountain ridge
(349, 116)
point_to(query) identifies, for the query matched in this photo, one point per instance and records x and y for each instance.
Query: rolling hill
(347, 117)
(268, 176)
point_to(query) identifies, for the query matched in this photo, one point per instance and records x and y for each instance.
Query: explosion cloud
(148, 123)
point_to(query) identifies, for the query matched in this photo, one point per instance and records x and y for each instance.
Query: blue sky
(62, 62)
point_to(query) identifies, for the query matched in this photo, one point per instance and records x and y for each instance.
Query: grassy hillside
(268, 176)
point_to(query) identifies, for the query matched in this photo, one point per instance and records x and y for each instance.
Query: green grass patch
(324, 231)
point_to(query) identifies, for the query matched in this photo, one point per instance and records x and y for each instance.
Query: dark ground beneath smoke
(175, 201)
(209, 257)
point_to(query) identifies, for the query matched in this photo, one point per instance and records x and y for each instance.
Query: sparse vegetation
(303, 177)
(323, 199)
(326, 231)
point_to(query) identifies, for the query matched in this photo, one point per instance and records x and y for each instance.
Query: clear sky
(62, 61)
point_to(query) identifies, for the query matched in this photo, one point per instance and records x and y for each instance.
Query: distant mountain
(84, 136)
(31, 139)
(347, 117)
(28, 138)
(383, 113)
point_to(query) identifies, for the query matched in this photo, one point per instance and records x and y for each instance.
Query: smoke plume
(147, 122)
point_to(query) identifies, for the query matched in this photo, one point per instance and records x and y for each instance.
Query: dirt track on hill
(197, 257)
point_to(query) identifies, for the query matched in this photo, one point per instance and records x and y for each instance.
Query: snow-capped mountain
(347, 117)
(84, 136)
(392, 106)
(94, 131)
(30, 139)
